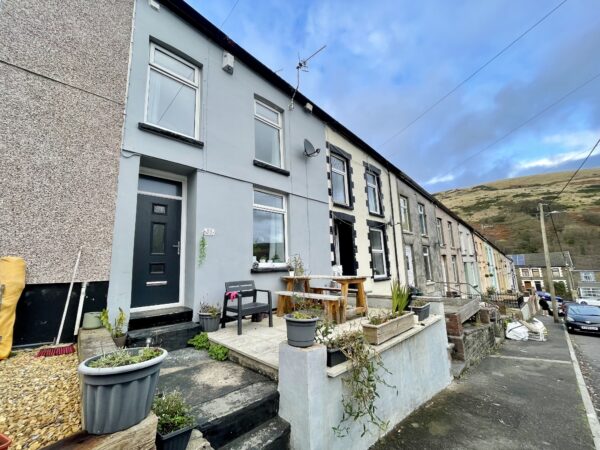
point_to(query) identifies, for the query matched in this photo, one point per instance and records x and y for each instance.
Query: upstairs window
(440, 231)
(378, 253)
(373, 198)
(404, 214)
(556, 272)
(536, 272)
(588, 276)
(269, 217)
(451, 233)
(173, 95)
(525, 273)
(422, 219)
(339, 180)
(268, 145)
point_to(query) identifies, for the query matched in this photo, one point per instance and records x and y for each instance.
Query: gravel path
(39, 399)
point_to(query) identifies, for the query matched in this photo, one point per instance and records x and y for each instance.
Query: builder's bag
(12, 282)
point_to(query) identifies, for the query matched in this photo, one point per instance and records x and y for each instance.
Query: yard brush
(56, 351)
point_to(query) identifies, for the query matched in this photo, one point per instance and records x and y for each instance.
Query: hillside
(506, 211)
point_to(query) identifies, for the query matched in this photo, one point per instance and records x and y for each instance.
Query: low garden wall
(311, 393)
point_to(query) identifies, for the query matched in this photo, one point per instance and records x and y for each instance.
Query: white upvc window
(536, 272)
(269, 244)
(173, 93)
(588, 276)
(422, 219)
(451, 233)
(440, 231)
(589, 292)
(268, 139)
(373, 193)
(557, 272)
(455, 269)
(404, 214)
(525, 272)
(427, 261)
(339, 180)
(378, 253)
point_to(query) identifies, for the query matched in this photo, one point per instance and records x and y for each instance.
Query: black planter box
(335, 356)
(421, 311)
(177, 440)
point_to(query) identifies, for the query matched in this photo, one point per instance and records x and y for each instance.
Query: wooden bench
(319, 290)
(331, 303)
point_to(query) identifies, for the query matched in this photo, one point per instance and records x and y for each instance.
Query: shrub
(200, 341)
(124, 358)
(172, 412)
(218, 352)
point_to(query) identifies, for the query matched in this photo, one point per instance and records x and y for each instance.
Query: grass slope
(506, 211)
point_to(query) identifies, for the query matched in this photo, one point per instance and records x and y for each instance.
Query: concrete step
(158, 317)
(271, 435)
(170, 337)
(226, 418)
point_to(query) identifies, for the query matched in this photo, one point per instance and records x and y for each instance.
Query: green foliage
(400, 296)
(296, 264)
(218, 352)
(173, 412)
(491, 290)
(361, 385)
(200, 341)
(202, 251)
(300, 315)
(206, 308)
(115, 330)
(383, 317)
(122, 357)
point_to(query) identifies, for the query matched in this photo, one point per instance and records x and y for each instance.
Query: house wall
(591, 288)
(63, 76)
(455, 282)
(469, 258)
(362, 217)
(221, 175)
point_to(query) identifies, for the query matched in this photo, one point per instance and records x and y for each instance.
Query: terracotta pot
(5, 441)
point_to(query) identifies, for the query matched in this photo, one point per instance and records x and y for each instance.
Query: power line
(578, 169)
(463, 82)
(231, 11)
(530, 119)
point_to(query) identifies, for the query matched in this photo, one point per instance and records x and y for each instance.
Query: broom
(56, 351)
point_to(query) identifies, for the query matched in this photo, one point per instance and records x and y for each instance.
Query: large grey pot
(300, 332)
(117, 398)
(209, 323)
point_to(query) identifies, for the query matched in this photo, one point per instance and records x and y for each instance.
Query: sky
(387, 61)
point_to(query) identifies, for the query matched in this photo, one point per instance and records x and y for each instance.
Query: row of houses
(151, 159)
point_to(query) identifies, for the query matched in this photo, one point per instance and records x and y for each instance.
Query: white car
(589, 301)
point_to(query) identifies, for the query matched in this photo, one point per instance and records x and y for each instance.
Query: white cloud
(441, 179)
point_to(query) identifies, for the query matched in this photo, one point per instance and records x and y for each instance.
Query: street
(587, 348)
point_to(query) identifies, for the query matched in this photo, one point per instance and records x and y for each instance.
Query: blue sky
(386, 61)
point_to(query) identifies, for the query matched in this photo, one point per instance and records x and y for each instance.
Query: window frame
(278, 126)
(584, 276)
(422, 219)
(455, 272)
(440, 231)
(377, 191)
(152, 65)
(346, 179)
(382, 251)
(451, 233)
(589, 292)
(536, 272)
(271, 209)
(405, 211)
(525, 272)
(427, 263)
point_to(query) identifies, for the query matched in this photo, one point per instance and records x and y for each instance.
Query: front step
(170, 337)
(159, 317)
(271, 435)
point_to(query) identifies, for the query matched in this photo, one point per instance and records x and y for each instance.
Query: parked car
(546, 296)
(589, 301)
(584, 318)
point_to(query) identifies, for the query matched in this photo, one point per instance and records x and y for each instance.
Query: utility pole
(548, 265)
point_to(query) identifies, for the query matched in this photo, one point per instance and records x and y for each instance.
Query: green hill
(506, 211)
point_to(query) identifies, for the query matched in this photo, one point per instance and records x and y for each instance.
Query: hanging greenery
(202, 251)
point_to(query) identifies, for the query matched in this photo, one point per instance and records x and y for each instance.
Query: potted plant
(420, 308)
(5, 441)
(175, 421)
(324, 335)
(118, 388)
(209, 317)
(295, 266)
(301, 325)
(115, 330)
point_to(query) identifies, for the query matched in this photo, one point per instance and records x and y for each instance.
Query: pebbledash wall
(221, 176)
(63, 75)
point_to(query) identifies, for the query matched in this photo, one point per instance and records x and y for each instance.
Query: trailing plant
(173, 412)
(209, 309)
(324, 332)
(295, 263)
(218, 352)
(116, 329)
(400, 296)
(200, 341)
(360, 384)
(202, 251)
(124, 358)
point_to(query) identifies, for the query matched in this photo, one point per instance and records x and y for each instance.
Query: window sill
(264, 165)
(341, 205)
(408, 232)
(426, 236)
(170, 134)
(429, 283)
(268, 269)
(382, 279)
(376, 214)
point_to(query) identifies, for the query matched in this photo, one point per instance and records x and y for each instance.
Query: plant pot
(300, 332)
(377, 334)
(116, 398)
(422, 312)
(258, 317)
(335, 356)
(91, 321)
(5, 442)
(209, 323)
(120, 341)
(176, 440)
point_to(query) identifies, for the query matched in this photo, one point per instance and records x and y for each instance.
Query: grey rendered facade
(586, 276)
(219, 176)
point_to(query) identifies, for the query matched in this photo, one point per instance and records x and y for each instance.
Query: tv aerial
(302, 66)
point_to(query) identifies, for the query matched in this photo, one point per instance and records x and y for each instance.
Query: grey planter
(422, 312)
(176, 440)
(208, 323)
(300, 332)
(117, 398)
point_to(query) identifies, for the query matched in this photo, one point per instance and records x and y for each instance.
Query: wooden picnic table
(284, 305)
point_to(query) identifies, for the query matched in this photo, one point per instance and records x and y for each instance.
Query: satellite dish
(309, 149)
